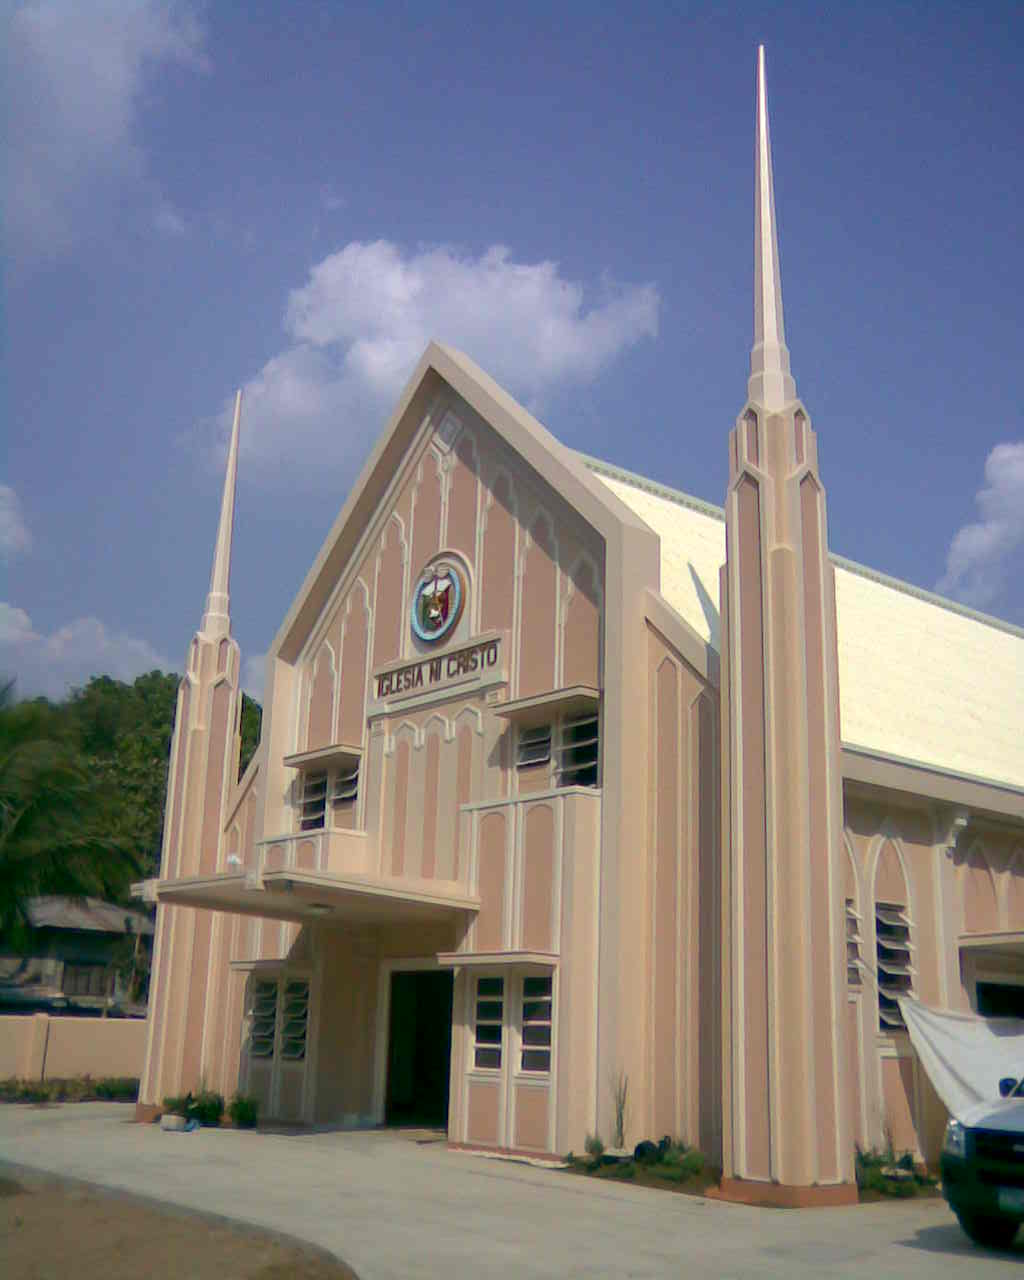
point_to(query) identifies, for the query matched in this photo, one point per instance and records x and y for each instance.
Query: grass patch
(75, 1089)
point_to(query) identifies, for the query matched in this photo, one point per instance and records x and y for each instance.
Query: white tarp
(964, 1055)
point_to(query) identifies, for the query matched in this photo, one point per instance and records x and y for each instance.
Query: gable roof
(441, 367)
(921, 678)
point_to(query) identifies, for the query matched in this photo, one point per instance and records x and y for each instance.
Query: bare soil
(51, 1228)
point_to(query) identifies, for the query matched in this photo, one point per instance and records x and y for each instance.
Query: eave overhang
(538, 709)
(497, 959)
(873, 770)
(305, 896)
(340, 753)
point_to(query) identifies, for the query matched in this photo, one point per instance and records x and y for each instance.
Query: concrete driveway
(393, 1207)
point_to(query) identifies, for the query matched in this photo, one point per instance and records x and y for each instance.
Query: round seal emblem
(437, 601)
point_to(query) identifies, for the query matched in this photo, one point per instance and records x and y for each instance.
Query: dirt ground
(50, 1229)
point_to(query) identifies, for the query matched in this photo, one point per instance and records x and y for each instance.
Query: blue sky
(295, 198)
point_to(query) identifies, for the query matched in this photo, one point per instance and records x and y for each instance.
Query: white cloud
(54, 664)
(14, 533)
(980, 557)
(362, 319)
(77, 73)
(169, 222)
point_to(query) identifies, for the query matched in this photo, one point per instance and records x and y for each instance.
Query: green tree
(124, 732)
(252, 723)
(54, 829)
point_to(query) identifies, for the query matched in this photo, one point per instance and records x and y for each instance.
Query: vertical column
(787, 1133)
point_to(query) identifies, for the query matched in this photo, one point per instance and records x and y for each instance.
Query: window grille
(853, 941)
(295, 1020)
(534, 746)
(893, 956)
(346, 786)
(578, 751)
(313, 809)
(490, 1013)
(536, 1050)
(264, 1020)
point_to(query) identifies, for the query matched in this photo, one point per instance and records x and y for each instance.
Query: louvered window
(346, 786)
(280, 1019)
(853, 942)
(314, 801)
(533, 746)
(264, 1020)
(893, 959)
(578, 751)
(294, 1019)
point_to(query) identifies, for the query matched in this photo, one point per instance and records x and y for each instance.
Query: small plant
(884, 1173)
(620, 1099)
(244, 1111)
(207, 1108)
(593, 1146)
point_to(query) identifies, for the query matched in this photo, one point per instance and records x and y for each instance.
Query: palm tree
(54, 838)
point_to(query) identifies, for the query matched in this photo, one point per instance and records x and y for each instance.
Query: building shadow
(711, 614)
(948, 1238)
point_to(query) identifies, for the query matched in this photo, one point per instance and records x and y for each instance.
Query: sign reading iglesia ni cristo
(475, 662)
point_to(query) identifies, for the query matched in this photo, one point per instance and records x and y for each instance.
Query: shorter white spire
(217, 618)
(771, 383)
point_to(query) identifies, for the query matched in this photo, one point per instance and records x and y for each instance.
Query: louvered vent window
(853, 941)
(314, 801)
(534, 746)
(893, 955)
(264, 1020)
(578, 751)
(294, 1020)
(346, 786)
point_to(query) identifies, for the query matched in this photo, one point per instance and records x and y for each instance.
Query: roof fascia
(916, 778)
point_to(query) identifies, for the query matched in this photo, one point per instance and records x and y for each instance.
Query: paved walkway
(394, 1208)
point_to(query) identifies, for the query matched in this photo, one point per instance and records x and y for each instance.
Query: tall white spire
(771, 383)
(217, 618)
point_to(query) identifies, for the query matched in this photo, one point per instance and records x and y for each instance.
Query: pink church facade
(567, 778)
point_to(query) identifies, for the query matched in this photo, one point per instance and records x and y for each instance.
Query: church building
(570, 782)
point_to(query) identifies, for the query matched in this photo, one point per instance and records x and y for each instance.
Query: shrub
(244, 1112)
(593, 1146)
(692, 1164)
(885, 1173)
(74, 1089)
(118, 1089)
(207, 1107)
(177, 1106)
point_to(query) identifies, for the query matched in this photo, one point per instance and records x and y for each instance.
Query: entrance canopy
(294, 894)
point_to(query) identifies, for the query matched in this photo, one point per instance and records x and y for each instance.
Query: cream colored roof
(920, 678)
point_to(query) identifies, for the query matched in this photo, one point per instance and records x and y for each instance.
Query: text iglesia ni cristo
(438, 671)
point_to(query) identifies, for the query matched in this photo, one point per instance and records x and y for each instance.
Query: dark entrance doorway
(419, 1048)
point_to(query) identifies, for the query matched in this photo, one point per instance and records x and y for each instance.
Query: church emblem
(437, 602)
